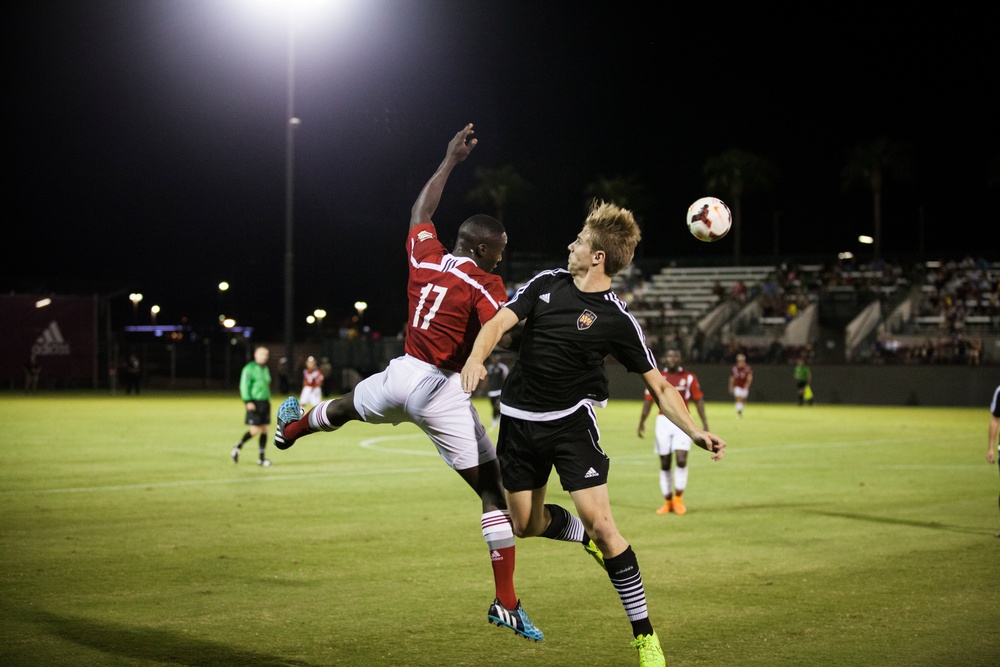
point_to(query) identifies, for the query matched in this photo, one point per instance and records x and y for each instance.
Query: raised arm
(430, 196)
(671, 404)
(491, 333)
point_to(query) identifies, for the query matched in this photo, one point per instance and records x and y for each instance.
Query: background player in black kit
(573, 320)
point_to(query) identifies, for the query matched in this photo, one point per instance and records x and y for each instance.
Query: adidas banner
(58, 330)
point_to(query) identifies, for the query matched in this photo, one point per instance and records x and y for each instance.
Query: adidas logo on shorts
(592, 473)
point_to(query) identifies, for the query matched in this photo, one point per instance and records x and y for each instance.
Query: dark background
(145, 140)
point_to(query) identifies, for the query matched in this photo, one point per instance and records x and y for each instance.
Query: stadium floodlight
(135, 298)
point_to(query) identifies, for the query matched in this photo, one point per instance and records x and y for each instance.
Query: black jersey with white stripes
(567, 335)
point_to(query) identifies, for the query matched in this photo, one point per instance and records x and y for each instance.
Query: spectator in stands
(739, 291)
(719, 292)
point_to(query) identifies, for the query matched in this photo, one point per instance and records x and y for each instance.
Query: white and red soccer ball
(709, 219)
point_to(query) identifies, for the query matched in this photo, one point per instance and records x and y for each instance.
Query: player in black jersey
(572, 321)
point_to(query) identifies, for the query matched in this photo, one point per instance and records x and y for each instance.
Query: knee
(529, 527)
(607, 538)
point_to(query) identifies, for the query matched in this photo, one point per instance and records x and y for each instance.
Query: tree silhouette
(870, 164)
(497, 188)
(733, 174)
(624, 191)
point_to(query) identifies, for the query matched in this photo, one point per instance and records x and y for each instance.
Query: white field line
(371, 443)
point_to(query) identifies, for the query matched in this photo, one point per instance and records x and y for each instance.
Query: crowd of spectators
(960, 304)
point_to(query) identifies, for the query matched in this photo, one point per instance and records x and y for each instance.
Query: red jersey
(450, 298)
(684, 382)
(312, 378)
(741, 375)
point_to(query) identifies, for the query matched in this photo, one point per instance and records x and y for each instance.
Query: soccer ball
(709, 219)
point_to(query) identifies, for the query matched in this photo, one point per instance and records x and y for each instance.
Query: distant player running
(671, 441)
(451, 295)
(312, 384)
(740, 379)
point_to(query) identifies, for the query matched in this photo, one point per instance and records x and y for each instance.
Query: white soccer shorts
(311, 396)
(669, 437)
(741, 393)
(410, 390)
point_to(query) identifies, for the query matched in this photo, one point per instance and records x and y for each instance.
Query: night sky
(145, 139)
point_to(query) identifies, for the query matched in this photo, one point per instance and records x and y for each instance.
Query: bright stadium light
(865, 239)
(296, 14)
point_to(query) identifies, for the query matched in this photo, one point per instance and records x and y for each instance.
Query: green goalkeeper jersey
(255, 382)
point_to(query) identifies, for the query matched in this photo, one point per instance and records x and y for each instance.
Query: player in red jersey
(451, 295)
(740, 379)
(312, 384)
(670, 439)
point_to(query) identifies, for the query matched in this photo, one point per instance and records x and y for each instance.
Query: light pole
(292, 124)
(223, 288)
(135, 298)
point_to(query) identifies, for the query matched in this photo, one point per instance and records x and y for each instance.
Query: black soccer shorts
(261, 416)
(528, 450)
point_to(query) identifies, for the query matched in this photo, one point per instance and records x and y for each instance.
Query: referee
(255, 390)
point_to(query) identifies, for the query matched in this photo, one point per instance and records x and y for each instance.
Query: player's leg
(261, 433)
(378, 399)
(594, 508)
(666, 485)
(663, 449)
(329, 415)
(741, 394)
(235, 453)
(497, 530)
(680, 478)
(446, 414)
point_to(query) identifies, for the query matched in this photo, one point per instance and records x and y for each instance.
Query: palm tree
(624, 191)
(497, 188)
(870, 164)
(733, 174)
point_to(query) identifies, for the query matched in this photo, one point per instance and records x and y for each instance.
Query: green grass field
(827, 536)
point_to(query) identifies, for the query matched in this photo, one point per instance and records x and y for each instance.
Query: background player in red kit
(312, 384)
(740, 379)
(451, 295)
(671, 441)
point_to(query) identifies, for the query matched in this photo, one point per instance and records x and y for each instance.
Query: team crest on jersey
(424, 235)
(586, 320)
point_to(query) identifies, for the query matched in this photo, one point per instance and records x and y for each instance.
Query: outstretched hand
(712, 443)
(460, 146)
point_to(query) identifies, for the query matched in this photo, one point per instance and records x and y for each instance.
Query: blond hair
(615, 231)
